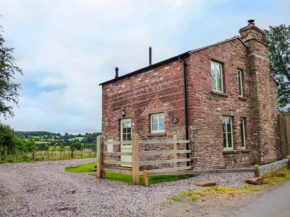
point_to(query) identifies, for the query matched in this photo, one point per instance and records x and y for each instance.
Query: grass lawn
(87, 168)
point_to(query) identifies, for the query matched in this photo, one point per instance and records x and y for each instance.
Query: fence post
(5, 152)
(257, 171)
(100, 141)
(135, 158)
(33, 153)
(145, 178)
(176, 146)
(103, 157)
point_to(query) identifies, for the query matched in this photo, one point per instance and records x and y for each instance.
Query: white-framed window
(243, 132)
(217, 76)
(157, 123)
(240, 82)
(228, 139)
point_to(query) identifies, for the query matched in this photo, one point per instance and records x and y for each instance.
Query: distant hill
(44, 137)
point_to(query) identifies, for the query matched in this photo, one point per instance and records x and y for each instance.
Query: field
(48, 155)
(77, 138)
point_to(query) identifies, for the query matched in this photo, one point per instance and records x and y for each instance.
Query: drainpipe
(185, 103)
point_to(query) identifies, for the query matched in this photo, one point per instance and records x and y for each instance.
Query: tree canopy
(278, 40)
(6, 135)
(8, 88)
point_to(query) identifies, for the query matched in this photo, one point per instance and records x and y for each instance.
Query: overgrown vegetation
(86, 168)
(276, 178)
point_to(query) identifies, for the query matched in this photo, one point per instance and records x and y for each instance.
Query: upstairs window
(157, 123)
(243, 132)
(217, 76)
(228, 133)
(240, 82)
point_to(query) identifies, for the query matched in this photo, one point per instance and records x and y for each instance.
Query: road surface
(275, 203)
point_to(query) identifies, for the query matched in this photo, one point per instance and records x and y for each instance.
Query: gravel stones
(46, 189)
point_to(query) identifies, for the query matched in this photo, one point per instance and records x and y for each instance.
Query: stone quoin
(231, 103)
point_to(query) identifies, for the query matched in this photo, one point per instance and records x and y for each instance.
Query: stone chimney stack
(263, 96)
(252, 32)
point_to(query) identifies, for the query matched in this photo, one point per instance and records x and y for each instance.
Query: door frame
(121, 138)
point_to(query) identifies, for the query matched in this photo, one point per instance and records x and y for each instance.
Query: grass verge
(276, 178)
(211, 192)
(270, 179)
(86, 168)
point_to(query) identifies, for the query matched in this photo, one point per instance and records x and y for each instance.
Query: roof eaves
(218, 43)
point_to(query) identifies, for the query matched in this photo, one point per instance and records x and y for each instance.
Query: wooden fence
(284, 120)
(176, 169)
(102, 155)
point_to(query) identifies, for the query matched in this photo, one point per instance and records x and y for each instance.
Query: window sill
(156, 134)
(246, 150)
(242, 98)
(230, 151)
(219, 93)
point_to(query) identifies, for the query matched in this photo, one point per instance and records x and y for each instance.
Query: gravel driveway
(46, 189)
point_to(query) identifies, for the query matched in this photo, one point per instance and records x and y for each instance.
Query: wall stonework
(161, 90)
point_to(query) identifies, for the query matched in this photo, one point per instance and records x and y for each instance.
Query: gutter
(185, 103)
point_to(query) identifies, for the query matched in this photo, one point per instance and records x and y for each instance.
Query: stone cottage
(222, 97)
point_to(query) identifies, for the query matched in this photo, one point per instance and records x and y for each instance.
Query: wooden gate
(284, 120)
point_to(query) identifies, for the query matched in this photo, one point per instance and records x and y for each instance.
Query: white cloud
(76, 44)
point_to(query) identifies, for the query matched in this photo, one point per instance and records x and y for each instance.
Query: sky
(66, 48)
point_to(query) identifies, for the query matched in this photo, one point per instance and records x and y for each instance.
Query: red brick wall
(161, 90)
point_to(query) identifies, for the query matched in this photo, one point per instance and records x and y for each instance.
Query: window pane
(161, 122)
(129, 124)
(129, 136)
(219, 84)
(229, 140)
(224, 124)
(213, 78)
(243, 136)
(154, 126)
(124, 137)
(161, 118)
(239, 82)
(212, 68)
(124, 130)
(129, 130)
(154, 119)
(219, 77)
(225, 140)
(229, 128)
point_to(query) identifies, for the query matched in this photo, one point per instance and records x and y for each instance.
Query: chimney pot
(117, 70)
(251, 22)
(150, 56)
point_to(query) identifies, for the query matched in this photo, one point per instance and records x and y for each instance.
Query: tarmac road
(275, 203)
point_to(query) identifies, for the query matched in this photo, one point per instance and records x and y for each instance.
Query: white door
(126, 132)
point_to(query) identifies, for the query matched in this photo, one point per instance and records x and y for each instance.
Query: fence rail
(102, 154)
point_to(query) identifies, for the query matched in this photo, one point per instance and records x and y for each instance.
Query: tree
(6, 139)
(6, 136)
(278, 40)
(8, 88)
